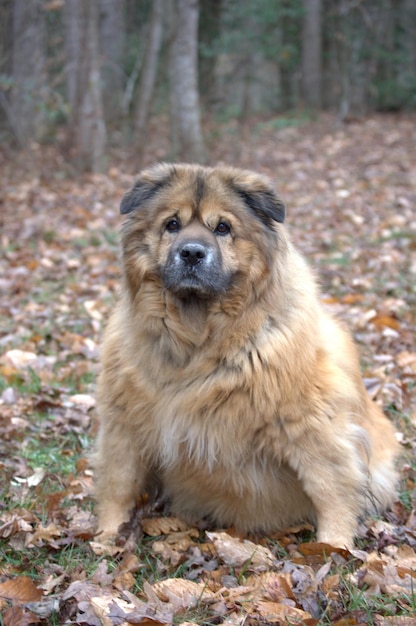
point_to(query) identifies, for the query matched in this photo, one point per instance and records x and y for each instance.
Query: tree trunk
(29, 69)
(312, 53)
(209, 33)
(407, 70)
(149, 72)
(73, 52)
(187, 142)
(88, 134)
(112, 39)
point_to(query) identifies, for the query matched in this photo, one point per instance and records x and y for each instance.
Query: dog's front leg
(119, 474)
(335, 479)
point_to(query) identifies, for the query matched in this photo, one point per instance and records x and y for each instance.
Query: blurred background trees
(88, 74)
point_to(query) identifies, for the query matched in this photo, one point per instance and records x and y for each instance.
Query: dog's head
(199, 230)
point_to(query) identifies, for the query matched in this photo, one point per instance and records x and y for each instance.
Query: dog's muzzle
(194, 268)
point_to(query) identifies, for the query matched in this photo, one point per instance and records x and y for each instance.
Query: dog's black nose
(193, 252)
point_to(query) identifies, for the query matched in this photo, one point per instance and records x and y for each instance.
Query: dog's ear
(137, 195)
(145, 187)
(259, 196)
(265, 204)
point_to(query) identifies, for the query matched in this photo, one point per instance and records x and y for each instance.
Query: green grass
(356, 601)
(337, 258)
(28, 382)
(55, 455)
(49, 236)
(76, 383)
(23, 382)
(286, 121)
(111, 237)
(397, 233)
(69, 559)
(201, 614)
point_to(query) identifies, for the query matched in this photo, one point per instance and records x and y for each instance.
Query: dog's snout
(192, 252)
(194, 264)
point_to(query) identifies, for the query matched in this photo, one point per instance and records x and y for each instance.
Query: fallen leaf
(392, 574)
(18, 616)
(124, 580)
(101, 575)
(407, 359)
(19, 358)
(277, 613)
(182, 594)
(20, 589)
(321, 549)
(397, 620)
(271, 586)
(36, 478)
(175, 544)
(352, 298)
(103, 605)
(9, 396)
(83, 400)
(45, 608)
(167, 553)
(156, 526)
(105, 549)
(383, 321)
(42, 533)
(51, 582)
(237, 553)
(92, 308)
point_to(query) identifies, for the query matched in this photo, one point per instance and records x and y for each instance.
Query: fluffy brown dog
(223, 377)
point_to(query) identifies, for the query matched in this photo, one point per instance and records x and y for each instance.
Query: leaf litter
(351, 197)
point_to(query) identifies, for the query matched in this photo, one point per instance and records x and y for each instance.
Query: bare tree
(29, 69)
(73, 52)
(149, 71)
(312, 53)
(112, 41)
(361, 31)
(84, 84)
(187, 141)
(407, 70)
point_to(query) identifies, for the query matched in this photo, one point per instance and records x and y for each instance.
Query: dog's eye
(172, 226)
(222, 228)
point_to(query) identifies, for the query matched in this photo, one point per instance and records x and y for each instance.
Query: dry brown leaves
(351, 197)
(296, 590)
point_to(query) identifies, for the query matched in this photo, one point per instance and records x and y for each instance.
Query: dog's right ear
(146, 186)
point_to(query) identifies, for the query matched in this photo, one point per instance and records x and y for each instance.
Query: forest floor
(350, 192)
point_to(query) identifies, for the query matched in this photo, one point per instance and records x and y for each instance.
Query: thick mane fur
(243, 399)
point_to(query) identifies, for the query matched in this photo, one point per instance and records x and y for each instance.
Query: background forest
(87, 75)
(320, 96)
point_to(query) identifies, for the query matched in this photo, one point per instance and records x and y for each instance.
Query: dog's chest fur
(213, 412)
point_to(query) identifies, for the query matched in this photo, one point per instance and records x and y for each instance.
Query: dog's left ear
(265, 204)
(146, 186)
(260, 197)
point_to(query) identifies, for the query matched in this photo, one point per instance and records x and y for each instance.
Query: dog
(223, 377)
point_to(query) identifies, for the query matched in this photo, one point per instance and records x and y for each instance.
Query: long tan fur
(244, 400)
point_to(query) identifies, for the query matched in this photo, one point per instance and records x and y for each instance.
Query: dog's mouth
(192, 284)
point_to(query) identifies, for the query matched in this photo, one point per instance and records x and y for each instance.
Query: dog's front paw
(109, 522)
(336, 539)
